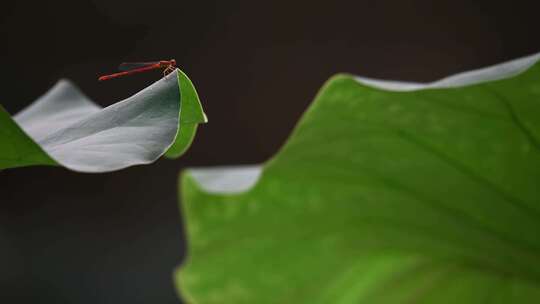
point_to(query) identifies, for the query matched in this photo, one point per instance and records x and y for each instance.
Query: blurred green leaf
(384, 193)
(65, 128)
(16, 148)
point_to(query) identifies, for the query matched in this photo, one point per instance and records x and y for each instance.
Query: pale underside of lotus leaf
(64, 127)
(385, 192)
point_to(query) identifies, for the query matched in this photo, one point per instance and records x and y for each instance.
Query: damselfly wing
(129, 68)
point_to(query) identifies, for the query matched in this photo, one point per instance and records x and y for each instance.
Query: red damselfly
(129, 68)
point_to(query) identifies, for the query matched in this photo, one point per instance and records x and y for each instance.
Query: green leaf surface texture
(385, 192)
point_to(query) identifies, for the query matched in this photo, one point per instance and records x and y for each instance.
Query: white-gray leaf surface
(79, 135)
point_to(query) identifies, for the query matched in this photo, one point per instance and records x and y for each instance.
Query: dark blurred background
(116, 237)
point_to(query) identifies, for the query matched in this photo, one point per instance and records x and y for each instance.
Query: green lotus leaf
(386, 192)
(65, 128)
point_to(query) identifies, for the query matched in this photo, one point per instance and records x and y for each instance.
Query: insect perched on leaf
(129, 68)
